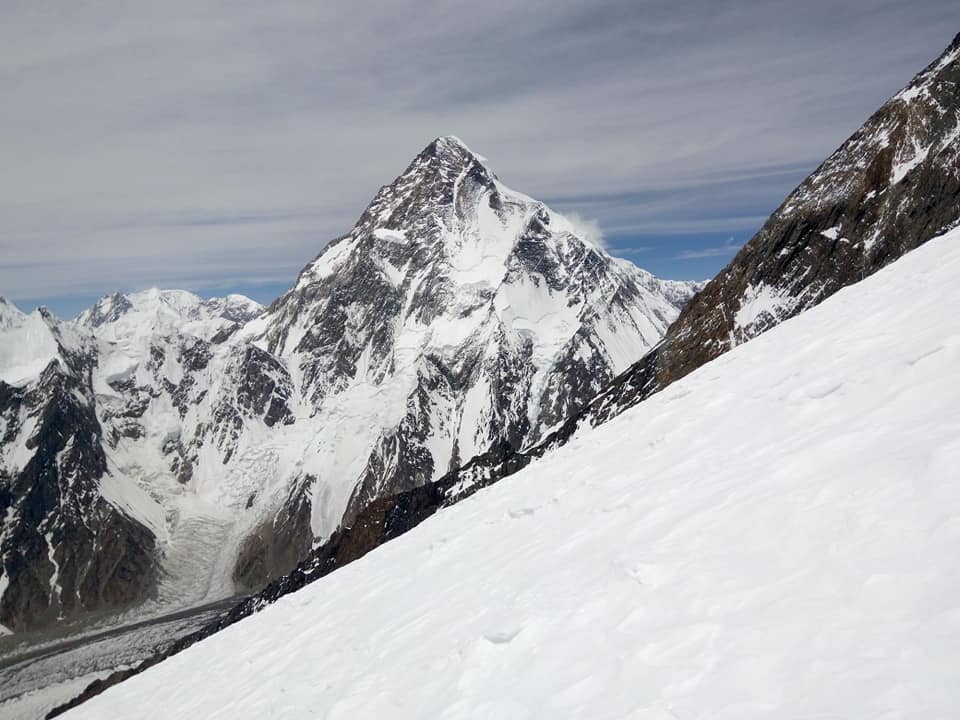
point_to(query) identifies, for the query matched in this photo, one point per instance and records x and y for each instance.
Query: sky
(217, 146)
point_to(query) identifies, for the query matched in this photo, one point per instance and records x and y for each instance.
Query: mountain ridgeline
(166, 449)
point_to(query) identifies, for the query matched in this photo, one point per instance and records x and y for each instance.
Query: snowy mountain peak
(457, 315)
(446, 154)
(436, 176)
(449, 147)
(10, 314)
(165, 312)
(107, 309)
(30, 342)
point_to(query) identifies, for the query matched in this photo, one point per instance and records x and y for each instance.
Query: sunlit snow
(773, 536)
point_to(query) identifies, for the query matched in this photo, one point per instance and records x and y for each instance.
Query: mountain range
(166, 449)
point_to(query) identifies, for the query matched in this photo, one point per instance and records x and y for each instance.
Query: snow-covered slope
(775, 536)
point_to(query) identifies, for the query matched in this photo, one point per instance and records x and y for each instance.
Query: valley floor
(40, 671)
(774, 536)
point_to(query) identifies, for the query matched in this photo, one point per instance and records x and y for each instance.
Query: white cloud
(586, 228)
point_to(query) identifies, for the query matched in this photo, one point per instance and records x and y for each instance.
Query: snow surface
(27, 344)
(910, 159)
(393, 236)
(761, 301)
(831, 233)
(773, 536)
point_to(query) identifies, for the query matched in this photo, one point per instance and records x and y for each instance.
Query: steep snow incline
(773, 536)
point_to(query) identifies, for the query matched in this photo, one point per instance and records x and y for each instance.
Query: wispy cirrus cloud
(187, 142)
(634, 249)
(728, 249)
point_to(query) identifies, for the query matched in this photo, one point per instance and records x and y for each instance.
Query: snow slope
(773, 536)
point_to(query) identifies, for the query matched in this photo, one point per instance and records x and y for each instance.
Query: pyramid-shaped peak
(448, 144)
(429, 184)
(449, 150)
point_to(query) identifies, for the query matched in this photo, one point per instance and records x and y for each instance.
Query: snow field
(775, 536)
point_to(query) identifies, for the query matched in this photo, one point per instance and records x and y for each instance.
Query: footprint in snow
(522, 512)
(924, 356)
(818, 391)
(501, 637)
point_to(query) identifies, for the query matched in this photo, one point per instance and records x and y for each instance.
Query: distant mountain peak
(455, 316)
(448, 145)
(107, 309)
(441, 164)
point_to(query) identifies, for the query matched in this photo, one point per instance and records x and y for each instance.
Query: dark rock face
(264, 388)
(893, 185)
(277, 546)
(65, 549)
